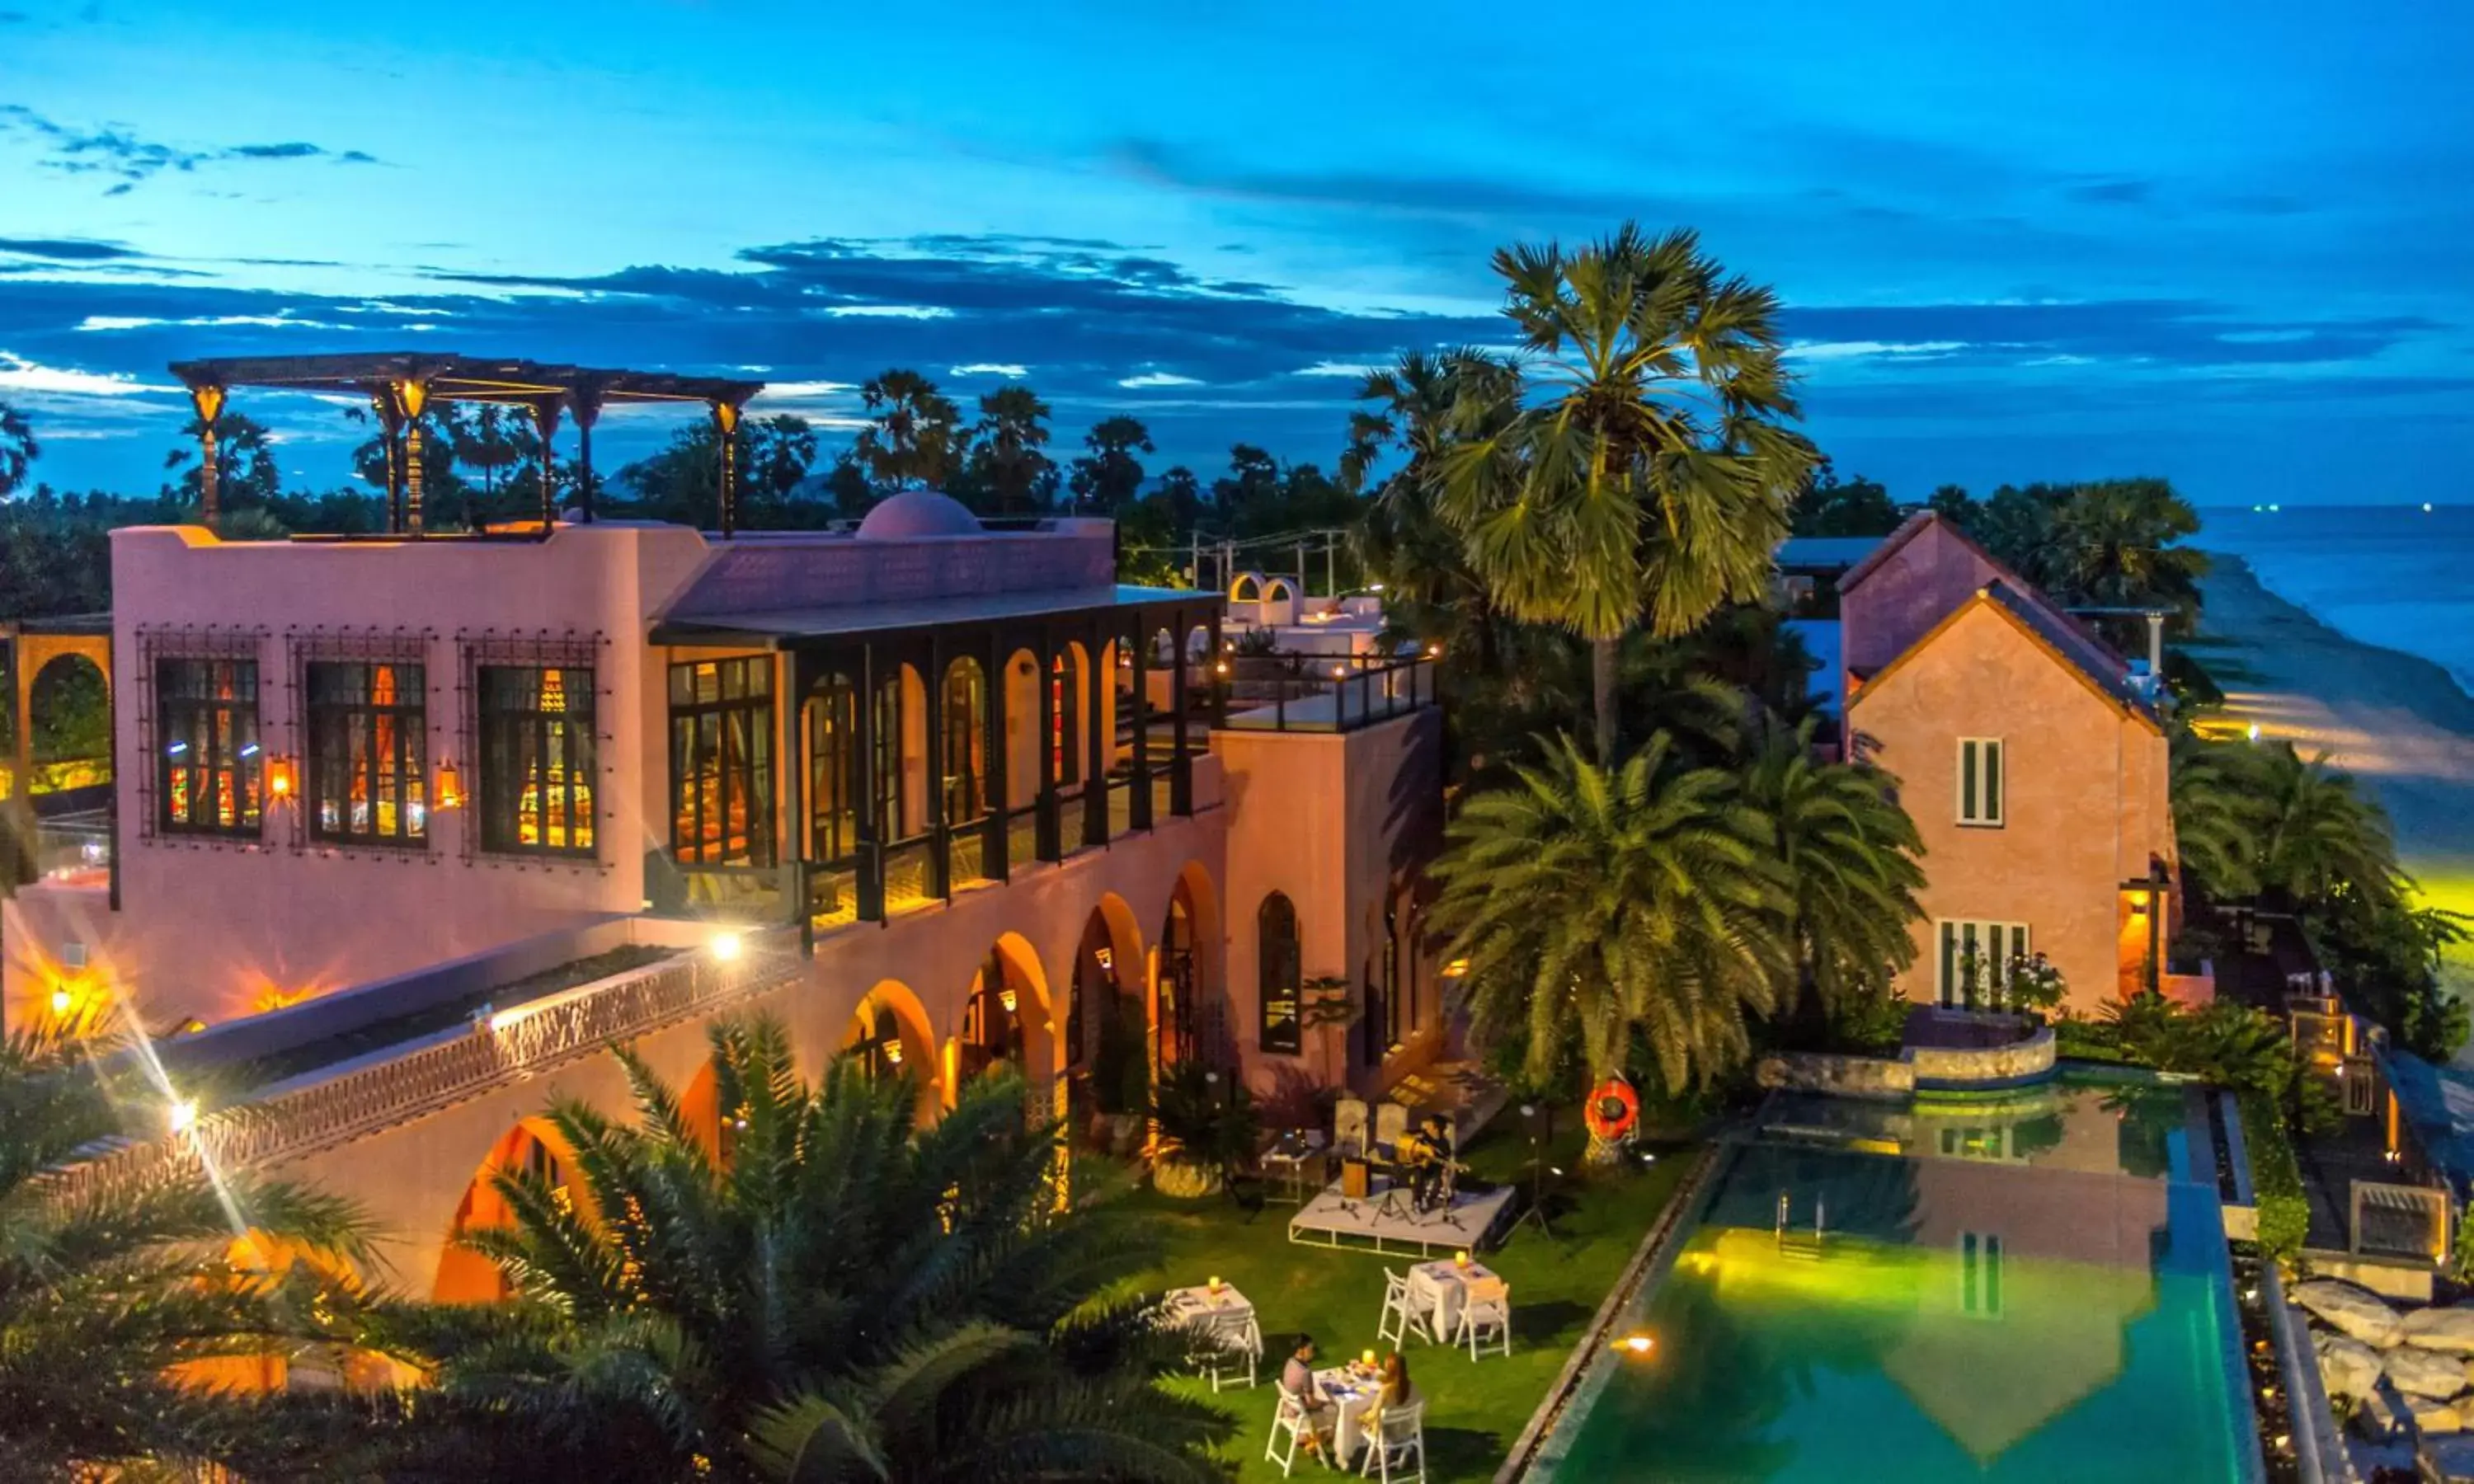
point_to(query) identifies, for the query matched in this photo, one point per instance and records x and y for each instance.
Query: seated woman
(1398, 1390)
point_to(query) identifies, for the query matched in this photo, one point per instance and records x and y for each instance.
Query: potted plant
(1208, 1127)
(1325, 1011)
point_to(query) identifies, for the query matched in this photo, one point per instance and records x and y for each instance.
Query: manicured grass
(1474, 1412)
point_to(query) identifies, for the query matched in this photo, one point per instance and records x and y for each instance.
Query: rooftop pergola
(402, 385)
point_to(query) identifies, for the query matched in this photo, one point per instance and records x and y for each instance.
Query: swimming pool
(2022, 1289)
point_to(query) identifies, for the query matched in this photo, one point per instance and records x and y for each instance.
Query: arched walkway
(465, 1276)
(890, 1035)
(1007, 1019)
(1188, 1019)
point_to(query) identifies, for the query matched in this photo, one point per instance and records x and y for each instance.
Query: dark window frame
(500, 787)
(216, 721)
(1279, 976)
(334, 726)
(739, 759)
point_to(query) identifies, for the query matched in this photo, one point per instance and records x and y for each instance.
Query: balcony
(1324, 693)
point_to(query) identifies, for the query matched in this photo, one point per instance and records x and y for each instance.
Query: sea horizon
(2395, 576)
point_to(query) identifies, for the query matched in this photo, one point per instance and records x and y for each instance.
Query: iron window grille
(217, 714)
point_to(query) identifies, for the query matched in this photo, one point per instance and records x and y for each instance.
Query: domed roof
(917, 513)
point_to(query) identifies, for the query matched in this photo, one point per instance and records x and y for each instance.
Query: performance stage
(1384, 1223)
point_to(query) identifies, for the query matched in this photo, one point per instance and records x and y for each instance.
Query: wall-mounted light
(183, 1114)
(1007, 999)
(62, 1002)
(450, 787)
(280, 780)
(726, 948)
(893, 1051)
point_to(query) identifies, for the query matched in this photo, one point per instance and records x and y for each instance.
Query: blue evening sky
(2228, 243)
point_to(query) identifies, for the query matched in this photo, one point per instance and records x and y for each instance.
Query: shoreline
(2398, 723)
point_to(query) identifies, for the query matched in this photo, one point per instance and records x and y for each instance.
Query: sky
(2230, 244)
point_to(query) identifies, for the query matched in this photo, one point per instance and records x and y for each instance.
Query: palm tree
(843, 1294)
(1595, 904)
(2317, 834)
(245, 467)
(2218, 813)
(1011, 431)
(1430, 587)
(18, 449)
(1109, 476)
(1654, 481)
(1850, 855)
(2113, 544)
(914, 438)
(107, 1289)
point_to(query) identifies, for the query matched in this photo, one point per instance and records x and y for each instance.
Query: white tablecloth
(1445, 1285)
(1350, 1396)
(1199, 1309)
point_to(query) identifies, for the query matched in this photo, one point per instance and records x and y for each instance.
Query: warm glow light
(1366, 1357)
(1636, 1344)
(278, 778)
(1222, 667)
(450, 787)
(1007, 997)
(62, 1000)
(1456, 967)
(726, 948)
(182, 1115)
(1434, 652)
(1214, 1281)
(1461, 1257)
(1378, 586)
(2254, 731)
(893, 1052)
(1340, 672)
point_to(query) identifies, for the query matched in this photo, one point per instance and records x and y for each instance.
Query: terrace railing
(1325, 693)
(503, 1049)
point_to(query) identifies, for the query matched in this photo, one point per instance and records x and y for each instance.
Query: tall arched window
(1280, 976)
(1065, 719)
(833, 770)
(966, 699)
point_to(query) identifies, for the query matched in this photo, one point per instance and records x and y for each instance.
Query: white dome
(917, 513)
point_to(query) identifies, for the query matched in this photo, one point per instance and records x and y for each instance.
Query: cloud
(17, 373)
(115, 152)
(1150, 379)
(1854, 349)
(1007, 370)
(68, 250)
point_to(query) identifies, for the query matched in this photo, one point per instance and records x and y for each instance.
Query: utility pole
(1330, 564)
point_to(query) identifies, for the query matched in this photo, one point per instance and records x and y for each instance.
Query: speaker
(1355, 1179)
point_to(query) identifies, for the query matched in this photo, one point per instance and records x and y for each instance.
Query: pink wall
(1336, 821)
(786, 572)
(1899, 601)
(2084, 796)
(212, 928)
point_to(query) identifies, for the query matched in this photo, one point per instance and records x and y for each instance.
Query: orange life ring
(1613, 1111)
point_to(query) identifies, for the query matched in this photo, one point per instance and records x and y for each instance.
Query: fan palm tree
(842, 1295)
(1011, 432)
(18, 449)
(914, 438)
(2112, 543)
(1595, 904)
(1850, 855)
(109, 1291)
(1653, 482)
(1430, 588)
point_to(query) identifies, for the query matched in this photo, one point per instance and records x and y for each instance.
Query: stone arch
(68, 701)
(1109, 1006)
(1278, 589)
(1007, 1017)
(914, 1049)
(1246, 587)
(1188, 1014)
(961, 753)
(465, 1276)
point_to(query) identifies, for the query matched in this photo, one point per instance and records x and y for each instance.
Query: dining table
(1207, 1309)
(1352, 1390)
(1443, 1287)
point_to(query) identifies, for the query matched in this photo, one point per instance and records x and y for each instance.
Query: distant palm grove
(1657, 866)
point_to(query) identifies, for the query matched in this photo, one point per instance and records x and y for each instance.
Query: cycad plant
(843, 1294)
(1595, 904)
(119, 1296)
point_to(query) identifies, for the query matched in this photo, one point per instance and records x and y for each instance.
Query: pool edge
(1550, 1408)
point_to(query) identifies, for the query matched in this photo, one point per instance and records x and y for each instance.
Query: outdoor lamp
(278, 778)
(1007, 997)
(726, 948)
(893, 1052)
(62, 1002)
(1638, 1344)
(182, 1115)
(450, 787)
(1461, 1258)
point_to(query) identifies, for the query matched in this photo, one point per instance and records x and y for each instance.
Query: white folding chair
(1230, 1342)
(1290, 1420)
(1396, 1446)
(1486, 1318)
(1391, 1126)
(1402, 1314)
(1349, 1129)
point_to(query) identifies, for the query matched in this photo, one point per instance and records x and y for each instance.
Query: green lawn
(1474, 1411)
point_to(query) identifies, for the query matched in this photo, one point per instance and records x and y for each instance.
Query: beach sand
(2398, 723)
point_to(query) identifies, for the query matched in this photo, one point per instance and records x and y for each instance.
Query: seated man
(1435, 1138)
(1296, 1377)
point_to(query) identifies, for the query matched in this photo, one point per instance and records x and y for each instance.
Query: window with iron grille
(1278, 975)
(537, 759)
(210, 766)
(721, 763)
(369, 764)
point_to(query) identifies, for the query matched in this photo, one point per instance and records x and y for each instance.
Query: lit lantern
(1636, 1344)
(1365, 1358)
(1007, 997)
(1461, 1258)
(1214, 1281)
(893, 1051)
(450, 787)
(279, 778)
(62, 1002)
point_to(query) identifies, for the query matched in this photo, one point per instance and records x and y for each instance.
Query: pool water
(2024, 1290)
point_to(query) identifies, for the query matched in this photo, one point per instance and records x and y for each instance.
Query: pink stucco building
(2034, 762)
(366, 786)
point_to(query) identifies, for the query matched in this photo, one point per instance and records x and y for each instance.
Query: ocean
(2392, 575)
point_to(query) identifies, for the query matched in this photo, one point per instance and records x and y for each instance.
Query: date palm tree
(914, 438)
(2114, 543)
(1595, 905)
(2317, 834)
(1652, 483)
(842, 1295)
(1850, 855)
(1011, 436)
(110, 1294)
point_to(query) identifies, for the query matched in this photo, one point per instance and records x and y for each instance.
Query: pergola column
(410, 397)
(1180, 766)
(1097, 740)
(208, 400)
(390, 431)
(545, 427)
(725, 433)
(794, 791)
(585, 401)
(1220, 680)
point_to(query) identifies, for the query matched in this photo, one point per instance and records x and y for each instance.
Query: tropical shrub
(1209, 1116)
